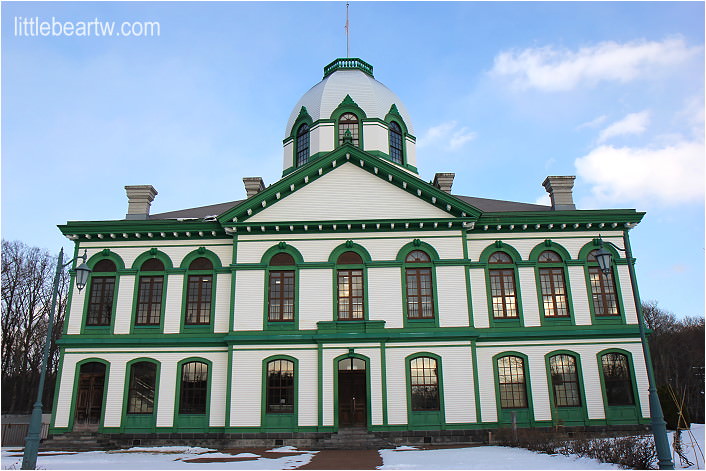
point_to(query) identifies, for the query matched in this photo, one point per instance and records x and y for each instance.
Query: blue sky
(502, 94)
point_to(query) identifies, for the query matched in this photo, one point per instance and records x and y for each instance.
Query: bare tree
(27, 276)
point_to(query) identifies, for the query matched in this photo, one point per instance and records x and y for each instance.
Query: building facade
(350, 293)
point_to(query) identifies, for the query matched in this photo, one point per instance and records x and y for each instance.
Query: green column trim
(368, 391)
(525, 415)
(282, 422)
(139, 423)
(74, 390)
(433, 420)
(560, 415)
(613, 413)
(190, 422)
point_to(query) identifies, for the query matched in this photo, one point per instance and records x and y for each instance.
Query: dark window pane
(549, 256)
(420, 302)
(350, 295)
(194, 388)
(143, 377)
(302, 145)
(100, 300)
(616, 377)
(201, 263)
(104, 266)
(424, 384)
(280, 387)
(198, 300)
(153, 264)
(281, 296)
(348, 122)
(499, 257)
(551, 281)
(603, 292)
(565, 382)
(149, 300)
(511, 378)
(349, 258)
(502, 291)
(282, 259)
(395, 143)
(417, 256)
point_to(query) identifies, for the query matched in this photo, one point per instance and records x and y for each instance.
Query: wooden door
(352, 393)
(89, 400)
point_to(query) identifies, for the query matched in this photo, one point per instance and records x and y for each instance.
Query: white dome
(369, 94)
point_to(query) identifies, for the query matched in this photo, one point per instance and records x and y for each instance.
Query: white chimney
(560, 192)
(253, 185)
(444, 181)
(139, 200)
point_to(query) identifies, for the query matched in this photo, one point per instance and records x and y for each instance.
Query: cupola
(349, 105)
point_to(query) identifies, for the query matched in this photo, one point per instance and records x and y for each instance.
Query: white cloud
(544, 200)
(551, 69)
(594, 123)
(448, 135)
(634, 123)
(668, 175)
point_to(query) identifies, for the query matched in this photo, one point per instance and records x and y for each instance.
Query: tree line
(677, 344)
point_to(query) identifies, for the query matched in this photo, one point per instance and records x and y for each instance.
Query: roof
(369, 94)
(197, 213)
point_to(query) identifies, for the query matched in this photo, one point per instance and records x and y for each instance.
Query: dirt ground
(344, 459)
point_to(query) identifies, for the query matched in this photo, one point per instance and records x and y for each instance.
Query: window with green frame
(552, 281)
(199, 292)
(603, 293)
(512, 383)
(351, 287)
(280, 387)
(418, 277)
(565, 381)
(280, 303)
(396, 140)
(617, 379)
(143, 377)
(349, 122)
(102, 294)
(149, 293)
(302, 144)
(193, 391)
(503, 290)
(424, 384)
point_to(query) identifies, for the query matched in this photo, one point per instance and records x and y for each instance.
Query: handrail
(348, 63)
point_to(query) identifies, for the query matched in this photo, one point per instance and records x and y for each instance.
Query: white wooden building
(350, 293)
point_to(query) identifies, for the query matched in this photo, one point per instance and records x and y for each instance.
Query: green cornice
(560, 221)
(146, 230)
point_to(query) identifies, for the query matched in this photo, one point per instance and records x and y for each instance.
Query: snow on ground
(402, 457)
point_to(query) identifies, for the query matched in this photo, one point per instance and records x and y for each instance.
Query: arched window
(149, 293)
(302, 145)
(281, 292)
(605, 302)
(143, 378)
(418, 276)
(395, 142)
(502, 286)
(350, 288)
(280, 387)
(553, 285)
(198, 295)
(100, 299)
(424, 384)
(565, 381)
(348, 122)
(616, 378)
(194, 388)
(512, 384)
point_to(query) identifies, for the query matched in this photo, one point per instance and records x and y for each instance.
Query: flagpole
(348, 50)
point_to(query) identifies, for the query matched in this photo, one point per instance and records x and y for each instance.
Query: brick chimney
(444, 181)
(139, 200)
(560, 191)
(253, 185)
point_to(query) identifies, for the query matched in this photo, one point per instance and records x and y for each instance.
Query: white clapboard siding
(288, 154)
(640, 369)
(592, 384)
(315, 297)
(580, 308)
(222, 307)
(308, 384)
(627, 296)
(172, 308)
(350, 193)
(249, 300)
(457, 373)
(124, 304)
(166, 397)
(322, 138)
(219, 387)
(376, 137)
(528, 289)
(479, 298)
(246, 388)
(375, 385)
(452, 296)
(78, 300)
(328, 373)
(66, 385)
(115, 383)
(396, 385)
(385, 296)
(411, 149)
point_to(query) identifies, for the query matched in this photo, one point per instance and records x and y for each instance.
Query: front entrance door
(89, 401)
(352, 393)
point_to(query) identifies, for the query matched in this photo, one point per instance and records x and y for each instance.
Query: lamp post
(29, 458)
(659, 426)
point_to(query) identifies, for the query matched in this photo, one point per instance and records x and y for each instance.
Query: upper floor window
(350, 288)
(502, 286)
(616, 378)
(149, 293)
(565, 381)
(194, 388)
(302, 145)
(420, 296)
(100, 298)
(281, 292)
(395, 142)
(198, 294)
(424, 383)
(143, 378)
(603, 295)
(280, 386)
(348, 122)
(512, 384)
(553, 285)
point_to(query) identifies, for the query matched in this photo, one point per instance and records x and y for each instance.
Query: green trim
(428, 420)
(281, 247)
(152, 253)
(140, 423)
(524, 416)
(467, 276)
(279, 422)
(620, 414)
(347, 105)
(301, 120)
(434, 257)
(616, 259)
(188, 259)
(348, 63)
(140, 230)
(74, 390)
(565, 256)
(136, 297)
(198, 253)
(192, 422)
(500, 246)
(57, 384)
(229, 384)
(320, 377)
(383, 380)
(476, 380)
(100, 329)
(568, 416)
(368, 395)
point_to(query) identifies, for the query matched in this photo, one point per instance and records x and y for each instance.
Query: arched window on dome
(348, 122)
(395, 143)
(302, 145)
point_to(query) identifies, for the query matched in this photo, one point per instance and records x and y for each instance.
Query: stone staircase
(75, 441)
(354, 439)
